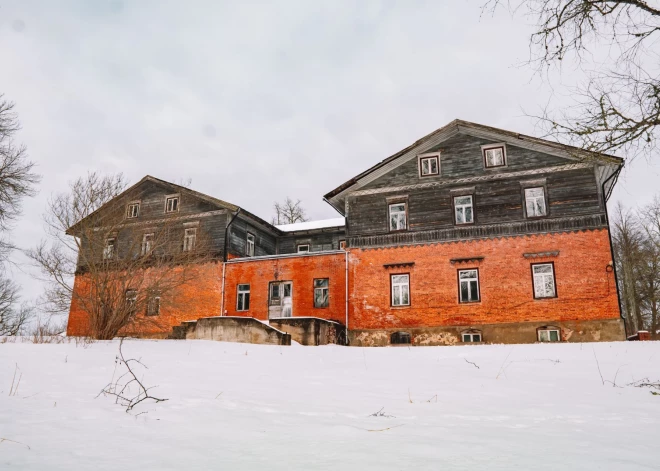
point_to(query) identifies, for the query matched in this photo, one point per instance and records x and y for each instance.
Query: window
(303, 248)
(243, 298)
(131, 300)
(398, 217)
(133, 210)
(548, 334)
(147, 243)
(153, 306)
(189, 239)
(400, 290)
(471, 336)
(463, 210)
(109, 249)
(275, 291)
(544, 280)
(249, 248)
(535, 202)
(171, 204)
(468, 285)
(342, 244)
(400, 338)
(429, 164)
(321, 293)
(494, 156)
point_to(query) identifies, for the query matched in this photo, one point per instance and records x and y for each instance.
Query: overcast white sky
(254, 101)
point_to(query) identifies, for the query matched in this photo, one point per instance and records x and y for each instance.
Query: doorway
(280, 299)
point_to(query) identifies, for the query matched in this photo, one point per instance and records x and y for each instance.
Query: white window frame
(302, 248)
(401, 217)
(547, 333)
(243, 297)
(342, 245)
(471, 336)
(153, 301)
(147, 243)
(397, 289)
(172, 198)
(249, 244)
(429, 157)
(133, 210)
(109, 248)
(534, 202)
(539, 280)
(462, 207)
(189, 239)
(468, 281)
(323, 289)
(488, 147)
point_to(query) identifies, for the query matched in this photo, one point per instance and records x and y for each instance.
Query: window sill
(400, 307)
(469, 302)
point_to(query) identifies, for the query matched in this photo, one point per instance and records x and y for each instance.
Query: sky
(256, 101)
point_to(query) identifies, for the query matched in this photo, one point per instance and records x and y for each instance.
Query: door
(280, 299)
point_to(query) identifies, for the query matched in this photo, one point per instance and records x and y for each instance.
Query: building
(471, 234)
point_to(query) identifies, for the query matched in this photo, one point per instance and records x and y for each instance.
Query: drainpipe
(346, 283)
(609, 233)
(224, 262)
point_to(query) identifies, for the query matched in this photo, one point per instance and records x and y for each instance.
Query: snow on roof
(310, 225)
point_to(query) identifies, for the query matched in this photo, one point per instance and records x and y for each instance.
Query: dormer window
(172, 204)
(429, 164)
(494, 155)
(133, 210)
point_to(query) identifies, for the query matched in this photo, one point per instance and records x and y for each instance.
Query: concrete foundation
(522, 332)
(231, 329)
(311, 330)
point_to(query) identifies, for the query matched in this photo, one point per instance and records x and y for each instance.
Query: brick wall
(585, 286)
(301, 270)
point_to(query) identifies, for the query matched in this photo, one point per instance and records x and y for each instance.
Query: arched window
(548, 333)
(471, 336)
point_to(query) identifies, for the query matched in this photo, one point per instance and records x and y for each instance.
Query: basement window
(548, 334)
(321, 289)
(463, 209)
(133, 210)
(249, 250)
(398, 217)
(172, 204)
(429, 164)
(471, 336)
(543, 275)
(468, 285)
(303, 248)
(109, 249)
(153, 306)
(189, 239)
(243, 298)
(400, 338)
(400, 289)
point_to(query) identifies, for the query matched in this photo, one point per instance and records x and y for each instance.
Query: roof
(501, 133)
(311, 225)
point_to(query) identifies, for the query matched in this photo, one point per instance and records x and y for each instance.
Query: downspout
(609, 233)
(346, 295)
(224, 262)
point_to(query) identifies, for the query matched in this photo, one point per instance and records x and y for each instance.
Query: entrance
(280, 299)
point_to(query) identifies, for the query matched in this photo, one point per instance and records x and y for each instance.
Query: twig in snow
(380, 413)
(409, 397)
(598, 366)
(502, 366)
(472, 363)
(383, 429)
(436, 396)
(645, 383)
(14, 441)
(13, 390)
(219, 394)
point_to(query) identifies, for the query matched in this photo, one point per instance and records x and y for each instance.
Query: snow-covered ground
(247, 407)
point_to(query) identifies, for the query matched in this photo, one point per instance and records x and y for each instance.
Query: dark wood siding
(318, 240)
(264, 244)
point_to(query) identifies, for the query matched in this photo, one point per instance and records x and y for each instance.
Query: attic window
(172, 204)
(303, 248)
(249, 251)
(133, 210)
(429, 164)
(494, 155)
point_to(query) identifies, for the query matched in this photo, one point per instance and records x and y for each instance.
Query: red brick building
(471, 234)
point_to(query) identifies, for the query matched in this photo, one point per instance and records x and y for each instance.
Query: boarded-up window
(400, 290)
(544, 280)
(321, 298)
(153, 306)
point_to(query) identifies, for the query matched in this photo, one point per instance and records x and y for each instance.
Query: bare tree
(288, 212)
(124, 276)
(618, 107)
(13, 317)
